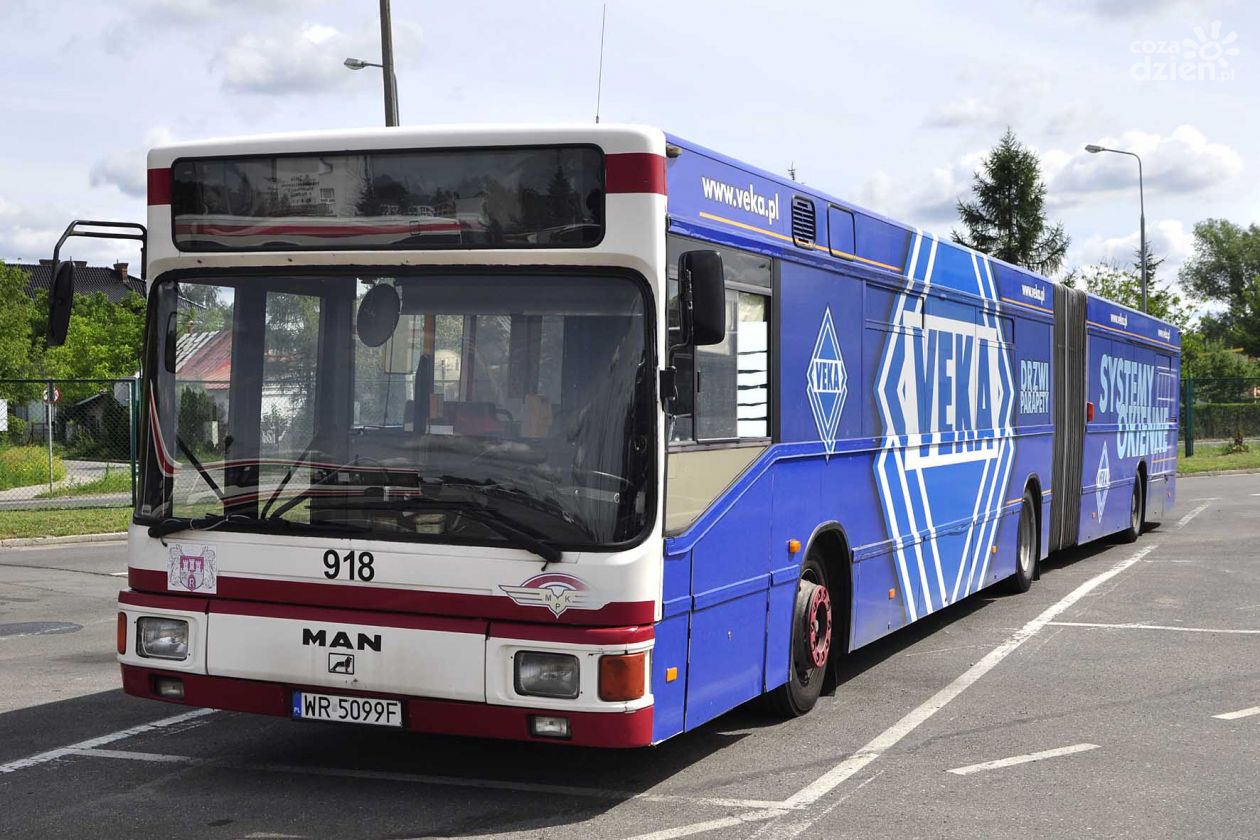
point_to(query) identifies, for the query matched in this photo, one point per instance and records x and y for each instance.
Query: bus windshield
(454, 407)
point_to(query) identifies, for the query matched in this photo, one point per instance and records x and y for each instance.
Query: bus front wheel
(812, 622)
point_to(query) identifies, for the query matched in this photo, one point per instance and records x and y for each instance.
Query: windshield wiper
(497, 521)
(213, 520)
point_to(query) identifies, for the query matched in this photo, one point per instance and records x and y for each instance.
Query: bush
(17, 432)
(23, 466)
(1227, 420)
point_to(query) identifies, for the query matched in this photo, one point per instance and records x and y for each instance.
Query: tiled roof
(87, 279)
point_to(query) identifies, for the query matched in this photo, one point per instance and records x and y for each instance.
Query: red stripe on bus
(601, 636)
(144, 600)
(351, 596)
(374, 619)
(208, 229)
(634, 172)
(159, 186)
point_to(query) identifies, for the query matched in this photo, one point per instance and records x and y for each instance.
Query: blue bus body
(912, 406)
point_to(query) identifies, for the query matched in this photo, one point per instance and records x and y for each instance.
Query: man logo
(555, 591)
(827, 383)
(341, 663)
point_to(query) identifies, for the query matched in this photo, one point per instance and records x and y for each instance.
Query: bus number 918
(358, 566)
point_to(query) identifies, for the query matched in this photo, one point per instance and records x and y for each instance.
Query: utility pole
(387, 69)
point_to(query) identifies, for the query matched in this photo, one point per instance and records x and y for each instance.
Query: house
(115, 281)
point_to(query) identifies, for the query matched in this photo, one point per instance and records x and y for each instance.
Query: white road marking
(1212, 498)
(1022, 759)
(102, 740)
(117, 574)
(1154, 627)
(1183, 521)
(786, 829)
(709, 825)
(1241, 713)
(889, 738)
(416, 778)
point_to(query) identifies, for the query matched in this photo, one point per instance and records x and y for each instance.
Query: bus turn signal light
(622, 677)
(122, 633)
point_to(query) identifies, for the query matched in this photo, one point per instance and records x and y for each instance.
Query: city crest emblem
(192, 568)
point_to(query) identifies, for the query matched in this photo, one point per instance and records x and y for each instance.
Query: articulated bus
(588, 434)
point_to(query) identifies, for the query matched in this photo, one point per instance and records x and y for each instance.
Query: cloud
(28, 234)
(200, 12)
(1184, 161)
(127, 169)
(1070, 119)
(1168, 239)
(968, 111)
(307, 61)
(931, 200)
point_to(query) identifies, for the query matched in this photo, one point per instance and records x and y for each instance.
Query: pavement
(1120, 697)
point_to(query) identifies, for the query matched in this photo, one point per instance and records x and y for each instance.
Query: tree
(1124, 286)
(1007, 219)
(104, 342)
(1225, 270)
(18, 355)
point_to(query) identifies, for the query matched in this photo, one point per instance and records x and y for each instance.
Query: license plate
(369, 710)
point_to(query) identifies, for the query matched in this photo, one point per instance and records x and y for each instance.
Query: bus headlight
(546, 674)
(162, 638)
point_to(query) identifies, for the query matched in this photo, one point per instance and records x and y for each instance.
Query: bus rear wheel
(1137, 513)
(812, 623)
(1026, 547)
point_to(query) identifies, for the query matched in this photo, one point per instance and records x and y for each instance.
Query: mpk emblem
(555, 591)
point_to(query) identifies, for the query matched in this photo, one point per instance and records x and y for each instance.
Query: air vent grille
(804, 222)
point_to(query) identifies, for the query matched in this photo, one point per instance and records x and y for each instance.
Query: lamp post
(1093, 150)
(386, 65)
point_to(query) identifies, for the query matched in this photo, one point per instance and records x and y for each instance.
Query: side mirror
(60, 302)
(378, 315)
(703, 285)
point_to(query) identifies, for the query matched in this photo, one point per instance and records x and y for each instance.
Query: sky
(889, 105)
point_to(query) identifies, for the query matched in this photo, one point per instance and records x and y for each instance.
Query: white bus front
(403, 444)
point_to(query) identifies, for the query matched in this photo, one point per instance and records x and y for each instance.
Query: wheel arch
(830, 542)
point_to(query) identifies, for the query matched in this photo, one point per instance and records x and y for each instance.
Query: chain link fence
(1220, 411)
(68, 443)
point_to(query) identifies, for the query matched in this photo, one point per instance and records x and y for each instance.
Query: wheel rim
(1026, 540)
(813, 635)
(1134, 506)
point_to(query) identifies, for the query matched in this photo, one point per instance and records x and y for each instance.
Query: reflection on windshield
(518, 399)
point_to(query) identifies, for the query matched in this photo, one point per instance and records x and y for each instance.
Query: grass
(61, 523)
(113, 481)
(22, 466)
(1210, 457)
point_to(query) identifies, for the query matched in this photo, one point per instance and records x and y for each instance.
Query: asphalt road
(1130, 673)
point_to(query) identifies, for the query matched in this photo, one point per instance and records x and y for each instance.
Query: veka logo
(341, 639)
(1102, 481)
(945, 392)
(555, 591)
(827, 383)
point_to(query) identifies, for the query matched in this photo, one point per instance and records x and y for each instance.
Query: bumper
(445, 717)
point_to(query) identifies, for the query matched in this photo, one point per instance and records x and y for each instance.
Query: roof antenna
(792, 170)
(599, 82)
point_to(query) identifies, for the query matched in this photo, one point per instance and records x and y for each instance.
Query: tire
(812, 626)
(1026, 548)
(1137, 511)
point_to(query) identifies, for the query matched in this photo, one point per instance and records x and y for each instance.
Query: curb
(1219, 472)
(115, 536)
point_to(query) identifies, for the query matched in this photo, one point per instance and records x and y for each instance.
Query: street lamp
(386, 65)
(1093, 150)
